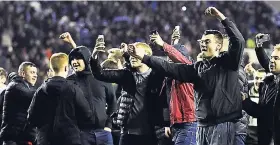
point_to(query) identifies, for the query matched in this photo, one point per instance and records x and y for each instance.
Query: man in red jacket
(182, 107)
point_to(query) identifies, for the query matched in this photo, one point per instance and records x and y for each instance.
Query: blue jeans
(220, 134)
(185, 133)
(96, 137)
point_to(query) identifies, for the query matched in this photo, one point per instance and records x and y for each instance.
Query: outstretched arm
(111, 76)
(178, 71)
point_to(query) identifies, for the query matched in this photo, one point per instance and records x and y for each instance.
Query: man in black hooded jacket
(97, 93)
(58, 107)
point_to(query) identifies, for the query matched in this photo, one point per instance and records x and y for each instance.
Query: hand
(167, 132)
(99, 45)
(200, 57)
(68, 38)
(212, 11)
(244, 96)
(157, 39)
(50, 73)
(249, 68)
(107, 129)
(258, 39)
(175, 37)
(124, 47)
(134, 52)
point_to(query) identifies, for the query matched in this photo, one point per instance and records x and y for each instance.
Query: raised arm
(263, 58)
(175, 55)
(235, 52)
(237, 41)
(261, 55)
(68, 38)
(172, 52)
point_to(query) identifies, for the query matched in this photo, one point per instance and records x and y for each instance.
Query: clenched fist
(212, 11)
(66, 37)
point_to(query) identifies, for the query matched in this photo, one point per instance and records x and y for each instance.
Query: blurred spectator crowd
(30, 30)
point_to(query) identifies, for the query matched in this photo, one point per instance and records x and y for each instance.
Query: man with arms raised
(215, 79)
(141, 106)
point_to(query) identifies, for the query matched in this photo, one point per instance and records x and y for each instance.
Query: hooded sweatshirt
(182, 107)
(97, 93)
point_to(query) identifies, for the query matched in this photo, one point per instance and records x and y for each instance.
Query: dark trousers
(165, 141)
(185, 133)
(116, 136)
(252, 137)
(220, 134)
(96, 137)
(130, 139)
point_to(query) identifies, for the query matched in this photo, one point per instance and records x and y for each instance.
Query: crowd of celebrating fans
(29, 29)
(139, 73)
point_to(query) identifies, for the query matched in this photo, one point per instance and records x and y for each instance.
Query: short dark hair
(3, 72)
(24, 65)
(216, 33)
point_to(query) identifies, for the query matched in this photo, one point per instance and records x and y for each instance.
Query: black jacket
(218, 97)
(58, 109)
(267, 111)
(97, 93)
(145, 112)
(10, 76)
(17, 98)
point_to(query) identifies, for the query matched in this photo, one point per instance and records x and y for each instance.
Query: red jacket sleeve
(175, 55)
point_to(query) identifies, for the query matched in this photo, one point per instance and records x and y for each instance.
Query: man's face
(78, 64)
(135, 63)
(30, 74)
(274, 64)
(258, 77)
(209, 46)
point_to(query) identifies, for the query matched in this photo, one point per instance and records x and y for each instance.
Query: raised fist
(212, 11)
(66, 37)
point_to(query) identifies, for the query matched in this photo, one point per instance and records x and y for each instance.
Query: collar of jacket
(20, 79)
(269, 78)
(82, 73)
